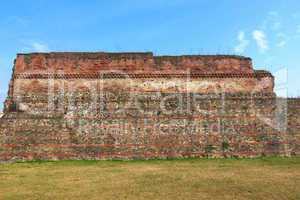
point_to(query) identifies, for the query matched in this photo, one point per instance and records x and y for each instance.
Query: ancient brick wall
(136, 105)
(293, 127)
(240, 126)
(204, 74)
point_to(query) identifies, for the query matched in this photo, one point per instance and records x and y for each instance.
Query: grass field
(263, 178)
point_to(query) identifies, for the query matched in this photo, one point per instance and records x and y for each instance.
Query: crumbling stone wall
(69, 106)
(293, 127)
(241, 126)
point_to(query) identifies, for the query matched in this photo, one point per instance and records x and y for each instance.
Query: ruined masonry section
(139, 106)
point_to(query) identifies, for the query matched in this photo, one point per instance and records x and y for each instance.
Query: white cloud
(39, 47)
(243, 43)
(261, 40)
(34, 46)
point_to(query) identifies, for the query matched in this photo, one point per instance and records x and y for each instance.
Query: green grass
(263, 178)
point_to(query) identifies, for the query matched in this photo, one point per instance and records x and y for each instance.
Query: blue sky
(268, 30)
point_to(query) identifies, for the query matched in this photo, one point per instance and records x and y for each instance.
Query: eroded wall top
(130, 63)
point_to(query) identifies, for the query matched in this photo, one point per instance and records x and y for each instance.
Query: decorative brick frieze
(140, 75)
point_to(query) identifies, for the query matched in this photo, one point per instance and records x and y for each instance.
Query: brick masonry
(136, 105)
